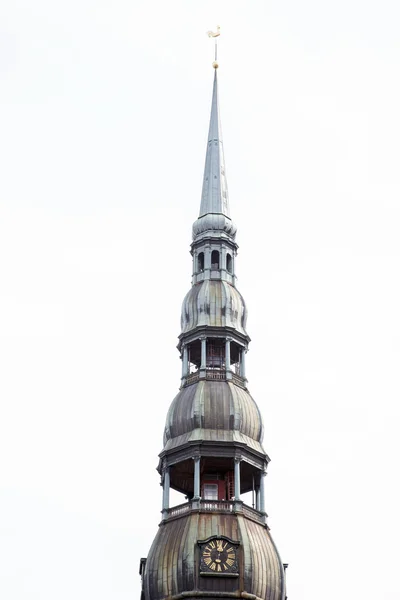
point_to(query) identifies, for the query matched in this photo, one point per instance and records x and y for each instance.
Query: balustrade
(216, 506)
(215, 375)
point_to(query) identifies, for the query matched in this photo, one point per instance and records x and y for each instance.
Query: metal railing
(192, 378)
(215, 375)
(238, 380)
(252, 513)
(216, 506)
(225, 506)
(181, 509)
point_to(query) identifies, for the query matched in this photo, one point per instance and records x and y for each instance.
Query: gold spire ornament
(215, 34)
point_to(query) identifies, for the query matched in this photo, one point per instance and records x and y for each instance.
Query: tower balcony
(215, 507)
(215, 375)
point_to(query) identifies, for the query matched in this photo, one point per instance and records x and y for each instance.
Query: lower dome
(173, 564)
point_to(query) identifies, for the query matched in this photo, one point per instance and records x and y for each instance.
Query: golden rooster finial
(215, 34)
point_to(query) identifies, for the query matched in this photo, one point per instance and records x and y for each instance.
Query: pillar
(243, 363)
(203, 353)
(237, 478)
(166, 486)
(262, 491)
(207, 258)
(228, 355)
(196, 487)
(184, 361)
(258, 498)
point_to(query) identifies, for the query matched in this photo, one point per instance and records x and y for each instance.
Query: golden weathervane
(215, 34)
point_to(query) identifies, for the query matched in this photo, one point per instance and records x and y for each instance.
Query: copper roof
(172, 564)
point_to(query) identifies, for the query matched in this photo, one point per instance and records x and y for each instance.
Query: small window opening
(200, 262)
(214, 260)
(229, 263)
(210, 491)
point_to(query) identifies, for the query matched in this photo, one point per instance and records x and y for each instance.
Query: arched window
(200, 262)
(229, 263)
(215, 259)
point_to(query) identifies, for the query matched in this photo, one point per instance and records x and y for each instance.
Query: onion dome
(172, 565)
(213, 411)
(214, 303)
(211, 222)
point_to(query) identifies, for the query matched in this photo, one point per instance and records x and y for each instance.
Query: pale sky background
(103, 124)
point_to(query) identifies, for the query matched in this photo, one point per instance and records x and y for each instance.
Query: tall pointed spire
(214, 197)
(214, 208)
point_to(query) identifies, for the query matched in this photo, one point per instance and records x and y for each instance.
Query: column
(207, 259)
(228, 358)
(196, 487)
(258, 498)
(262, 491)
(203, 353)
(243, 363)
(237, 478)
(184, 361)
(223, 262)
(166, 486)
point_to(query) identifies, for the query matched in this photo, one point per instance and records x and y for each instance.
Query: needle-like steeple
(214, 208)
(214, 197)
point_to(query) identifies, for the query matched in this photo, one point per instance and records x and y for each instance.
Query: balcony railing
(216, 375)
(215, 506)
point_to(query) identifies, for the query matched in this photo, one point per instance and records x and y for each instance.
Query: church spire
(213, 544)
(214, 216)
(214, 197)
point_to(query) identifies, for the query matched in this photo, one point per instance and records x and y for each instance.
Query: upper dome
(212, 222)
(213, 303)
(213, 410)
(172, 569)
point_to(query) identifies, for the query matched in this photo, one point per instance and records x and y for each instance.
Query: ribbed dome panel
(213, 406)
(213, 304)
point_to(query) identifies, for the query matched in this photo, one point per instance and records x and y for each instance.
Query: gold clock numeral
(207, 561)
(212, 566)
(225, 567)
(219, 568)
(231, 555)
(229, 562)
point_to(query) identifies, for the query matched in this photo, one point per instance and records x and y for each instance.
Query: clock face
(219, 556)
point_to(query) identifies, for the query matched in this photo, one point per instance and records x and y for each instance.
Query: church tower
(213, 545)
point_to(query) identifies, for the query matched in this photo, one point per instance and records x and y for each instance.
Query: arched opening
(214, 260)
(229, 263)
(200, 262)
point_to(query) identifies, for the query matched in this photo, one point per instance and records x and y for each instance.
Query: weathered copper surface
(172, 566)
(212, 408)
(214, 303)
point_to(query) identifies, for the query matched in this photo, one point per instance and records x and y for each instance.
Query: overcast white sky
(103, 124)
